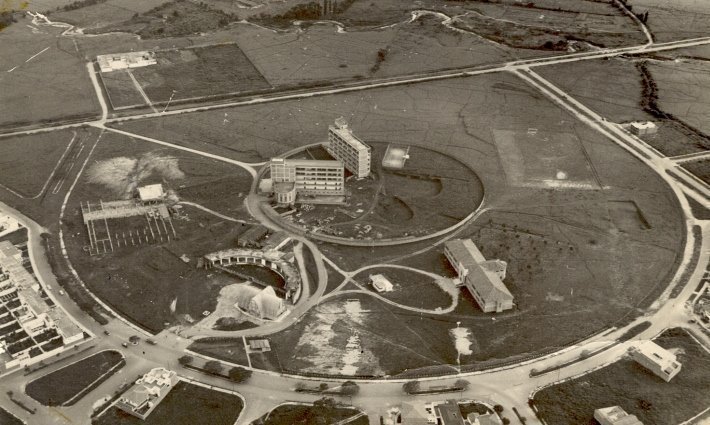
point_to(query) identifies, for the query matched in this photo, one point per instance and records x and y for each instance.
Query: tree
(323, 386)
(462, 384)
(185, 360)
(349, 388)
(498, 409)
(411, 387)
(239, 374)
(506, 421)
(213, 366)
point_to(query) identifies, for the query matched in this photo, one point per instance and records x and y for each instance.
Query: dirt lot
(178, 291)
(186, 403)
(432, 192)
(42, 79)
(636, 390)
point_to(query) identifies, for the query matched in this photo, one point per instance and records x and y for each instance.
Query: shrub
(411, 387)
(462, 384)
(213, 366)
(506, 421)
(239, 374)
(186, 360)
(498, 409)
(349, 388)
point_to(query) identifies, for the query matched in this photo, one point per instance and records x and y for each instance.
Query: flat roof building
(615, 415)
(483, 278)
(448, 413)
(148, 392)
(642, 128)
(344, 146)
(295, 178)
(381, 283)
(657, 359)
(151, 192)
(116, 61)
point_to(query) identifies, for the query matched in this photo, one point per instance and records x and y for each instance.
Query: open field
(700, 168)
(199, 72)
(663, 92)
(28, 176)
(178, 290)
(320, 412)
(410, 288)
(42, 82)
(636, 390)
(185, 404)
(6, 418)
(623, 241)
(103, 13)
(63, 385)
(432, 192)
(675, 20)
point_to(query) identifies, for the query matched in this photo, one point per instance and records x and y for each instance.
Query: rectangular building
(345, 147)
(306, 177)
(657, 359)
(615, 415)
(483, 278)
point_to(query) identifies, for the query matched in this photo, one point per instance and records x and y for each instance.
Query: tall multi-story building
(306, 177)
(345, 147)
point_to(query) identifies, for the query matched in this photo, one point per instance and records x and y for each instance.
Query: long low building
(483, 278)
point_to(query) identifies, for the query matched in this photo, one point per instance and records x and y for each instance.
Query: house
(483, 278)
(657, 359)
(448, 413)
(148, 392)
(381, 283)
(485, 419)
(615, 415)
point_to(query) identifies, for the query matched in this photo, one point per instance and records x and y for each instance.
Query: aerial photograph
(355, 212)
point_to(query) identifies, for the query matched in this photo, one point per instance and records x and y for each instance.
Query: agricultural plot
(121, 90)
(638, 391)
(185, 404)
(675, 20)
(680, 93)
(178, 290)
(43, 79)
(104, 13)
(68, 384)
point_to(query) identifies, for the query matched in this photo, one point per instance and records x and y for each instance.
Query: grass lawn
(63, 385)
(636, 390)
(7, 418)
(296, 414)
(46, 149)
(410, 288)
(229, 349)
(186, 404)
(700, 168)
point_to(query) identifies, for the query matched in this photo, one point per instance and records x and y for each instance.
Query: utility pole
(171, 98)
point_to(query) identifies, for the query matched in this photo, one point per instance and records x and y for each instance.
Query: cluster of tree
(7, 18)
(381, 56)
(79, 4)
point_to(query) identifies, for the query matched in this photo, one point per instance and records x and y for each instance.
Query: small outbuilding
(381, 283)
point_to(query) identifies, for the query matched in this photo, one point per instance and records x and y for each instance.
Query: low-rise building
(643, 128)
(381, 283)
(344, 146)
(483, 278)
(657, 359)
(148, 392)
(448, 413)
(151, 193)
(259, 345)
(615, 415)
(117, 61)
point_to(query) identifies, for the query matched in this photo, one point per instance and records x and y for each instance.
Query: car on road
(124, 344)
(150, 341)
(107, 333)
(61, 292)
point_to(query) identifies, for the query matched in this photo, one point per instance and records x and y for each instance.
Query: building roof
(617, 416)
(150, 192)
(267, 303)
(260, 344)
(307, 162)
(483, 275)
(643, 125)
(381, 283)
(657, 354)
(450, 413)
(254, 233)
(342, 129)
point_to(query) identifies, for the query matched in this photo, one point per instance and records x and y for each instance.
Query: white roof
(341, 129)
(381, 283)
(643, 125)
(656, 354)
(150, 192)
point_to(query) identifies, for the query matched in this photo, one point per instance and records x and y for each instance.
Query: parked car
(124, 344)
(150, 341)
(107, 333)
